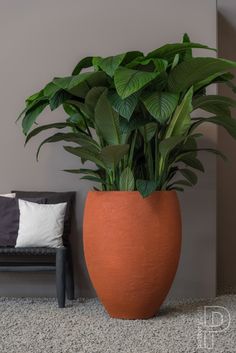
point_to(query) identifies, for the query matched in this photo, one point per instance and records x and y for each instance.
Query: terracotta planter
(132, 248)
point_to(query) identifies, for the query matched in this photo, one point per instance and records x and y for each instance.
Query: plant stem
(131, 152)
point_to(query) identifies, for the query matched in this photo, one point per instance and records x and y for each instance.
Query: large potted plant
(130, 115)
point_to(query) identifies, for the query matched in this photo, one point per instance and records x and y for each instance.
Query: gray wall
(227, 171)
(43, 39)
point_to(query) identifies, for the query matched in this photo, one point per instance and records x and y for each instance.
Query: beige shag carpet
(36, 325)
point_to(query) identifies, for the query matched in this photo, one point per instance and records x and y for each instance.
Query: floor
(38, 326)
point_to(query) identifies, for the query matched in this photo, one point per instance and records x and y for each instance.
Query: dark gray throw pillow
(9, 218)
(54, 198)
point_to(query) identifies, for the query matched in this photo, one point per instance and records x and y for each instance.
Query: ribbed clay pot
(132, 248)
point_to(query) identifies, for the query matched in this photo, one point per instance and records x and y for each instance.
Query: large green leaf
(181, 120)
(189, 175)
(157, 64)
(93, 178)
(70, 82)
(107, 120)
(86, 155)
(83, 64)
(187, 54)
(32, 104)
(80, 84)
(225, 121)
(35, 97)
(109, 64)
(70, 137)
(192, 162)
(210, 150)
(32, 114)
(129, 81)
(59, 98)
(112, 155)
(78, 138)
(39, 129)
(160, 105)
(83, 171)
(125, 107)
(148, 131)
(126, 180)
(146, 187)
(50, 90)
(78, 120)
(170, 50)
(168, 144)
(130, 56)
(82, 108)
(179, 182)
(136, 121)
(194, 70)
(93, 95)
(214, 104)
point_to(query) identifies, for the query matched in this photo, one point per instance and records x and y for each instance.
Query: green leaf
(34, 97)
(32, 114)
(109, 64)
(50, 89)
(112, 155)
(69, 109)
(125, 107)
(180, 182)
(129, 81)
(93, 178)
(170, 50)
(130, 56)
(225, 121)
(161, 105)
(158, 64)
(127, 180)
(215, 104)
(175, 61)
(82, 171)
(59, 97)
(71, 137)
(181, 120)
(210, 150)
(83, 64)
(46, 127)
(194, 70)
(93, 95)
(189, 175)
(146, 187)
(148, 131)
(107, 120)
(168, 144)
(192, 162)
(187, 54)
(86, 154)
(70, 82)
(78, 120)
(82, 109)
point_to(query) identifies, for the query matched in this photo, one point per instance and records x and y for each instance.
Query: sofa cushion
(9, 219)
(54, 198)
(40, 225)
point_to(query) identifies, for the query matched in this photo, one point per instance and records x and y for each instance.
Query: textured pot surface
(132, 248)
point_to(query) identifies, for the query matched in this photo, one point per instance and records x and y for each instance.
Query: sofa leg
(60, 276)
(69, 277)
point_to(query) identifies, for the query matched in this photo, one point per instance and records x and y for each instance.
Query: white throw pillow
(12, 195)
(40, 225)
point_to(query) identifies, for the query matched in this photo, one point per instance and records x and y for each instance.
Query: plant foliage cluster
(130, 114)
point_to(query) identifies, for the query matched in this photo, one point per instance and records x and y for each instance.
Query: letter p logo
(216, 319)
